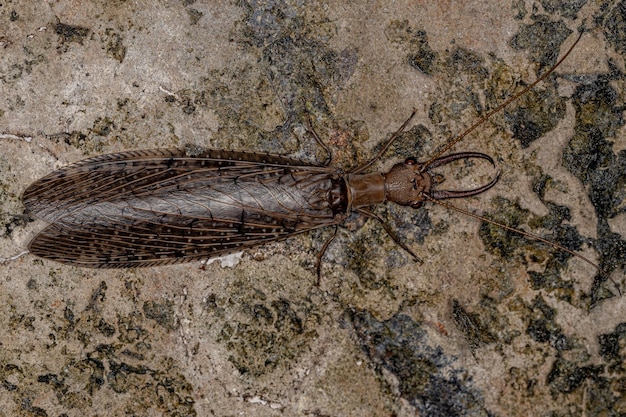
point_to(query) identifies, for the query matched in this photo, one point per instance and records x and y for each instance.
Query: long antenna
(490, 113)
(525, 234)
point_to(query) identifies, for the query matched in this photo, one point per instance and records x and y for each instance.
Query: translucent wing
(156, 207)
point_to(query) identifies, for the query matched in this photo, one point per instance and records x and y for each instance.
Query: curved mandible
(444, 194)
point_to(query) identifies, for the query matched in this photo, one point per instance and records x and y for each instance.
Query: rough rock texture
(490, 324)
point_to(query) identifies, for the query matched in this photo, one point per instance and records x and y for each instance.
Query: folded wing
(157, 207)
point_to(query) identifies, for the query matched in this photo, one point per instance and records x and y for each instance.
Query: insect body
(156, 207)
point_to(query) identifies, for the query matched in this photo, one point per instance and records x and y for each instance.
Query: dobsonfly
(155, 207)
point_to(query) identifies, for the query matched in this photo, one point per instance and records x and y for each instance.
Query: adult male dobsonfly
(164, 206)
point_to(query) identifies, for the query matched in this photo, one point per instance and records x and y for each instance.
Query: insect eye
(410, 161)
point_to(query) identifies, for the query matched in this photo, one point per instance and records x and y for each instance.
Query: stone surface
(490, 324)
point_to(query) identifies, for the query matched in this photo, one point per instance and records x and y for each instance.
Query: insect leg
(318, 260)
(390, 232)
(386, 146)
(312, 132)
